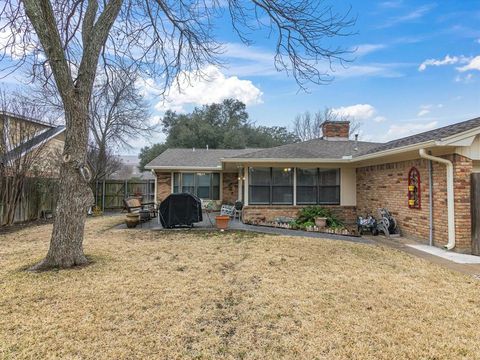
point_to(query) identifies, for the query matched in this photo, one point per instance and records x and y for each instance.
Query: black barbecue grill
(180, 210)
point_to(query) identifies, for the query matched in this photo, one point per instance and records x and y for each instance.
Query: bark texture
(66, 244)
(75, 196)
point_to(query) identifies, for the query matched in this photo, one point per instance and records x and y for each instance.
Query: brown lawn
(194, 295)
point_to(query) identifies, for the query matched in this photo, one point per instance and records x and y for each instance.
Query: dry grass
(151, 295)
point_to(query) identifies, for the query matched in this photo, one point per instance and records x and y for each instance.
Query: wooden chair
(134, 205)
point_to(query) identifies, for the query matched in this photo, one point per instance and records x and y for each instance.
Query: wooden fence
(109, 194)
(39, 196)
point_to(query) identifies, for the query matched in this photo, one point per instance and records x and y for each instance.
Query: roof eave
(399, 150)
(44, 141)
(205, 168)
(285, 160)
(455, 140)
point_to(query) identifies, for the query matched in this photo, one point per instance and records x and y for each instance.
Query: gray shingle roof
(198, 158)
(311, 149)
(435, 134)
(32, 143)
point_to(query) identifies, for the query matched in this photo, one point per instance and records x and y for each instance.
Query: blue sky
(417, 67)
(397, 37)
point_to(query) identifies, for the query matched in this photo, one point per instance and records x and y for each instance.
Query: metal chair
(238, 210)
(227, 210)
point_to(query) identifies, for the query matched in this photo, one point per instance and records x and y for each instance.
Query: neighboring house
(21, 136)
(30, 155)
(350, 177)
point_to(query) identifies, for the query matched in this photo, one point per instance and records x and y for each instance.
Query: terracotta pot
(221, 221)
(132, 220)
(321, 222)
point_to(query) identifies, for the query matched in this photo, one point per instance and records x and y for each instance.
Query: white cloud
(391, 4)
(423, 112)
(199, 89)
(473, 64)
(373, 70)
(411, 16)
(467, 79)
(448, 60)
(357, 112)
(365, 49)
(246, 61)
(379, 119)
(427, 109)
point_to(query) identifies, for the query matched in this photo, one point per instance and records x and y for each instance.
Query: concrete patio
(208, 224)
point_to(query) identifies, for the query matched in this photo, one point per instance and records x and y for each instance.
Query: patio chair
(238, 210)
(134, 205)
(227, 210)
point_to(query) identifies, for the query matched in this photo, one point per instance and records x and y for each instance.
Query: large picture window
(271, 186)
(318, 186)
(203, 185)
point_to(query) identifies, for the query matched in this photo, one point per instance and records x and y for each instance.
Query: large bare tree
(68, 40)
(118, 115)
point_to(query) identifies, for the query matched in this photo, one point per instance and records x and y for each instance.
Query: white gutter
(450, 196)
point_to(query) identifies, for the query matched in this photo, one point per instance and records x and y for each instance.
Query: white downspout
(155, 187)
(450, 196)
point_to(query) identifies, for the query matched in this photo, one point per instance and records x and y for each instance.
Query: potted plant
(132, 220)
(221, 221)
(321, 222)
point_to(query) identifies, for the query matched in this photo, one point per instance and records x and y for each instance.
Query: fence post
(103, 196)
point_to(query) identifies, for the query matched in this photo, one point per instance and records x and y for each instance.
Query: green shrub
(307, 215)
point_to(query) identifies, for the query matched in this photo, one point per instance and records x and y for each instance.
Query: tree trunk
(75, 196)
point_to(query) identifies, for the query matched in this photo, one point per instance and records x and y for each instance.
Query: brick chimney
(335, 130)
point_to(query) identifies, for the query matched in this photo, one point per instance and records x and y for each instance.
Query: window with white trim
(318, 186)
(271, 186)
(204, 185)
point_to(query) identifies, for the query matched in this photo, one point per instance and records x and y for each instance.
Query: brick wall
(259, 213)
(164, 185)
(386, 186)
(336, 129)
(230, 188)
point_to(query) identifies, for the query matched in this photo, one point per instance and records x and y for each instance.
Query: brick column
(164, 185)
(462, 170)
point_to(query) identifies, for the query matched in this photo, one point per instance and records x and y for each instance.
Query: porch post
(155, 187)
(240, 185)
(245, 175)
(294, 186)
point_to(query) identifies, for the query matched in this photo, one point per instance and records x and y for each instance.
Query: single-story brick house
(424, 179)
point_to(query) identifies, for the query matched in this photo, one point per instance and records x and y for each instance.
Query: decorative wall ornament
(414, 198)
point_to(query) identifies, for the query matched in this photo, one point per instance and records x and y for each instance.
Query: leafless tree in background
(66, 41)
(102, 164)
(118, 114)
(15, 163)
(307, 126)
